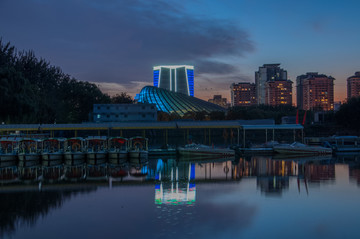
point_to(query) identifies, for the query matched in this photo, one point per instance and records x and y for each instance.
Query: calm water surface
(253, 197)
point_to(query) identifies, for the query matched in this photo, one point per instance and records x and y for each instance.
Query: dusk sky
(115, 43)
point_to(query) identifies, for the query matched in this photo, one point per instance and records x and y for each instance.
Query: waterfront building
(177, 78)
(243, 94)
(315, 91)
(353, 85)
(124, 112)
(173, 102)
(266, 73)
(218, 100)
(278, 92)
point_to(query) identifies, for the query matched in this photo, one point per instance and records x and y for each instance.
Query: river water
(252, 197)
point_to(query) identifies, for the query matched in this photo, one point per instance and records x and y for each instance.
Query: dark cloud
(213, 67)
(119, 41)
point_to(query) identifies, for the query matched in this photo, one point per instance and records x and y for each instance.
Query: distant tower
(243, 94)
(353, 86)
(266, 73)
(178, 78)
(315, 92)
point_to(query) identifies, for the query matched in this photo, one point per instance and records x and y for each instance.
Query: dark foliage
(122, 98)
(349, 114)
(33, 91)
(261, 112)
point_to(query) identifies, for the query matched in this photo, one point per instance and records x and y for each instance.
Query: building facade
(177, 78)
(315, 92)
(278, 92)
(243, 94)
(124, 112)
(353, 86)
(266, 73)
(218, 100)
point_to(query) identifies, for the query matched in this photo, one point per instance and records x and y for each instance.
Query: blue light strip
(190, 75)
(156, 78)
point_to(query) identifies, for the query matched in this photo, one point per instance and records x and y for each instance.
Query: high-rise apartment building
(278, 92)
(315, 92)
(353, 86)
(243, 94)
(266, 73)
(178, 78)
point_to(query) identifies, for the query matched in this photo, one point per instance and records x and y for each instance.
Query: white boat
(301, 149)
(138, 150)
(8, 152)
(74, 153)
(200, 150)
(118, 150)
(96, 150)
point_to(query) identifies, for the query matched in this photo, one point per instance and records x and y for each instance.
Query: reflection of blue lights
(156, 78)
(144, 170)
(190, 74)
(192, 171)
(157, 186)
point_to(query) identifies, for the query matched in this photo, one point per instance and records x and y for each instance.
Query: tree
(33, 91)
(349, 114)
(122, 98)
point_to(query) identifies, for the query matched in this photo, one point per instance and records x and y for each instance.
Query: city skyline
(116, 43)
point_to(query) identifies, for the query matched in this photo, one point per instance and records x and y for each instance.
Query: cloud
(119, 41)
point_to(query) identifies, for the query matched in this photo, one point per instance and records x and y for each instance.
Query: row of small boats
(93, 150)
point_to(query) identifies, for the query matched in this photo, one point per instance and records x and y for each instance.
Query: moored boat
(74, 153)
(138, 149)
(301, 149)
(96, 150)
(118, 150)
(200, 150)
(52, 151)
(346, 144)
(29, 152)
(8, 151)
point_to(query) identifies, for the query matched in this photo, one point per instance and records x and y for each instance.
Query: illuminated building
(353, 86)
(315, 92)
(278, 92)
(172, 102)
(243, 94)
(178, 78)
(218, 100)
(266, 73)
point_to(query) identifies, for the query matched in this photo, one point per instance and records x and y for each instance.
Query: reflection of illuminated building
(316, 173)
(273, 185)
(174, 194)
(263, 166)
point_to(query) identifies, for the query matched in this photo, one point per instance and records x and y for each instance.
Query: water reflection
(175, 189)
(24, 206)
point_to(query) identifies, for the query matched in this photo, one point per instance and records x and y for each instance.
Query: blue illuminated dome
(172, 102)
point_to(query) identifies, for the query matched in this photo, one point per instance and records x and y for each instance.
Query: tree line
(33, 91)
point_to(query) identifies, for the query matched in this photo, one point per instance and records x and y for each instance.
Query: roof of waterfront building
(242, 124)
(173, 102)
